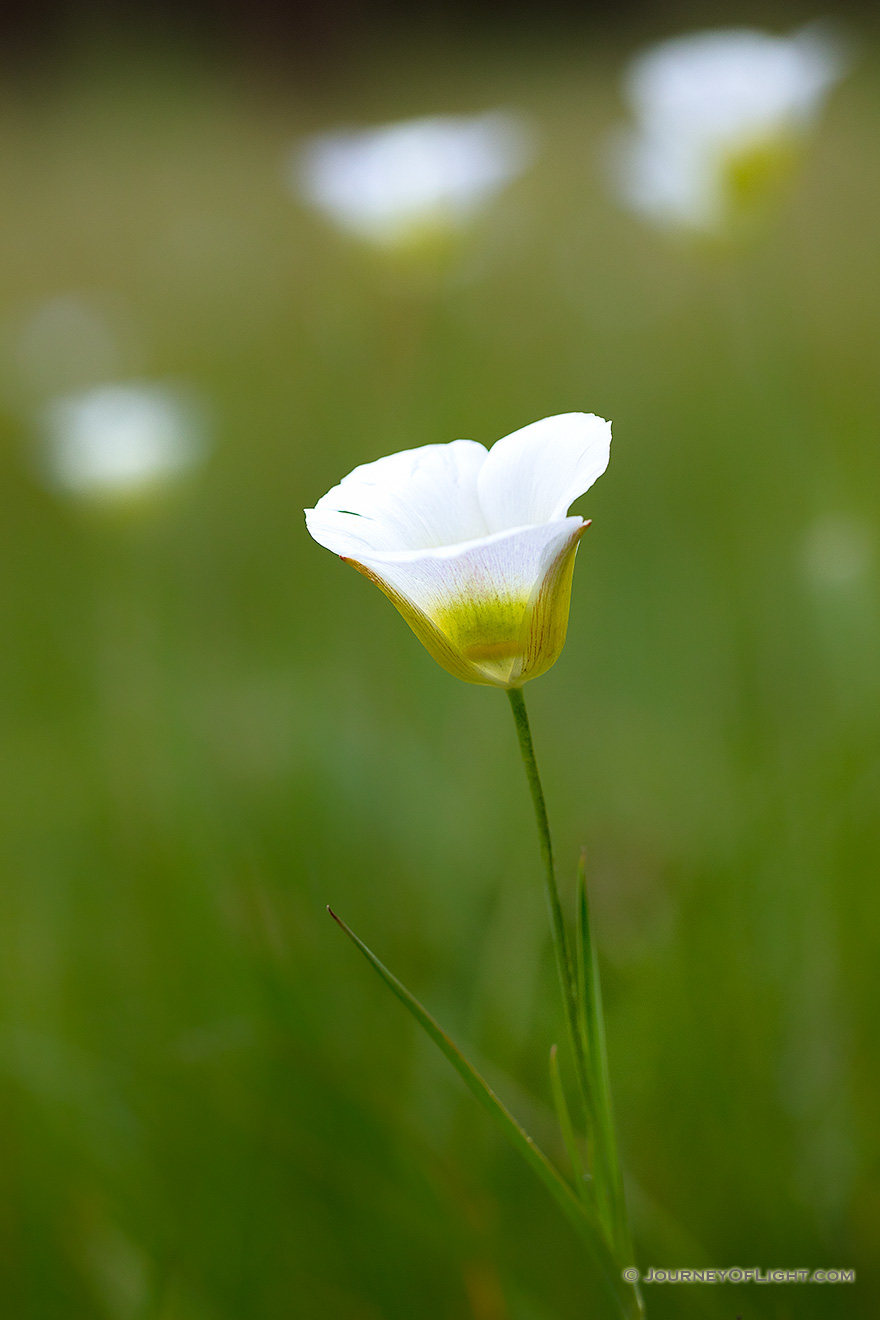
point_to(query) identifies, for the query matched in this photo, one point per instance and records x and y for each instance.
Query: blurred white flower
(719, 119)
(121, 440)
(417, 178)
(473, 547)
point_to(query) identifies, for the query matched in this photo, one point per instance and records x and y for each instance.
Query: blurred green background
(210, 1109)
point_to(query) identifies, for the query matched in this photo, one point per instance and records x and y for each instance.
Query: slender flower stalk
(581, 996)
(564, 964)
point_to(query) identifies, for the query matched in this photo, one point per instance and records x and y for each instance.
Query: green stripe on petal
(433, 640)
(493, 613)
(548, 615)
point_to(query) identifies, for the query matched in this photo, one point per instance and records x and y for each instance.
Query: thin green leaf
(572, 1207)
(562, 1113)
(609, 1183)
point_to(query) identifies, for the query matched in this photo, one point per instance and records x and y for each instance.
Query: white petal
(411, 501)
(533, 475)
(732, 83)
(377, 181)
(479, 598)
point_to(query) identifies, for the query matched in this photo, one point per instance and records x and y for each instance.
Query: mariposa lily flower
(401, 183)
(720, 118)
(474, 546)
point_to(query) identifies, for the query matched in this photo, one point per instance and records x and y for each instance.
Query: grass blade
(567, 1129)
(575, 1210)
(609, 1182)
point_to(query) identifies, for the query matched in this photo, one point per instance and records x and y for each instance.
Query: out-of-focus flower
(721, 118)
(473, 546)
(120, 441)
(406, 182)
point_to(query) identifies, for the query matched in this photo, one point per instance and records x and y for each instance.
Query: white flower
(393, 184)
(719, 117)
(122, 440)
(474, 547)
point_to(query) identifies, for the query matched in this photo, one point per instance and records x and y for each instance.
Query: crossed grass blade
(579, 1215)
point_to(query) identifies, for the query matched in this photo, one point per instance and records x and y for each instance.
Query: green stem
(583, 1012)
(561, 948)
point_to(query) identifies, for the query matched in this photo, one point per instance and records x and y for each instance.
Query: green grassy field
(210, 1109)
